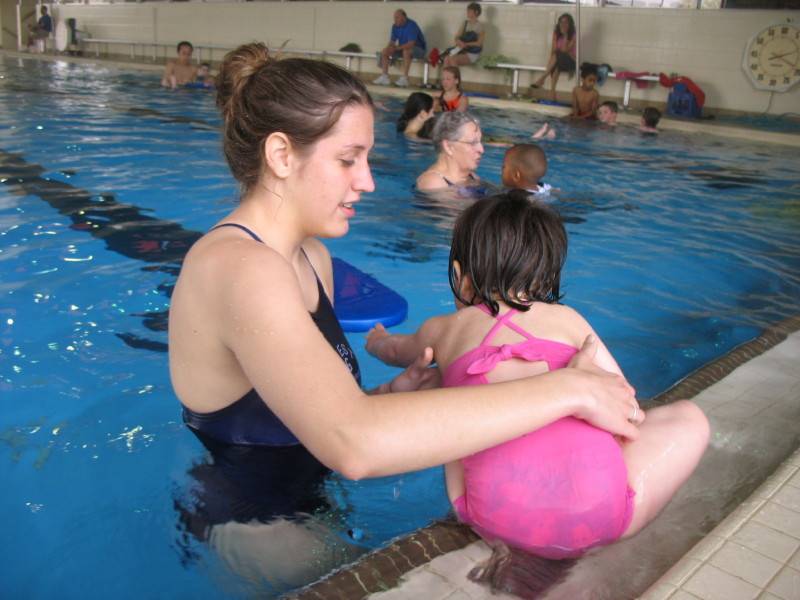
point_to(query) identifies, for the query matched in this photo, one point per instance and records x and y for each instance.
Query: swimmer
(457, 136)
(180, 71)
(650, 118)
(569, 486)
(607, 112)
(203, 76)
(451, 98)
(416, 120)
(524, 166)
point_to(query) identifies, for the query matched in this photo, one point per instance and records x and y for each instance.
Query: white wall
(706, 45)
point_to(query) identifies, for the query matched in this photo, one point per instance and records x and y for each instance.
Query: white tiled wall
(706, 45)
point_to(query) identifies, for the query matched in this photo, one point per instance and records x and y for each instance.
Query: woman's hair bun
(237, 68)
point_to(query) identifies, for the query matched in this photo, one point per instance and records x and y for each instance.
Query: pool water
(681, 247)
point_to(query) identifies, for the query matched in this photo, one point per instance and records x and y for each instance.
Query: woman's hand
(419, 375)
(612, 404)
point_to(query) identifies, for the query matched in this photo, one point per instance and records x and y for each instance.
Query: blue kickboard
(361, 301)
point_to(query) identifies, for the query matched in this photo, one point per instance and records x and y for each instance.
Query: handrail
(348, 56)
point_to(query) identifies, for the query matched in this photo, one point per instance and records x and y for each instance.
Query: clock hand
(774, 56)
(788, 62)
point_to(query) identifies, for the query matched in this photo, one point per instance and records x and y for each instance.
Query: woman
(257, 358)
(415, 122)
(458, 139)
(562, 53)
(468, 39)
(452, 97)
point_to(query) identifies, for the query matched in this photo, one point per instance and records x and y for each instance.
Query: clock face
(772, 58)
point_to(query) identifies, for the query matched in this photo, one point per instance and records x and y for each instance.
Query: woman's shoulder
(431, 180)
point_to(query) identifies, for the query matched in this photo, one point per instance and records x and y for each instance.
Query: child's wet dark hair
(512, 248)
(651, 116)
(588, 69)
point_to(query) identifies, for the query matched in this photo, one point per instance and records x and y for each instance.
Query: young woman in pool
(257, 358)
(416, 120)
(568, 486)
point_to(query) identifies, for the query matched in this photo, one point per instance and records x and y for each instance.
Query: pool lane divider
(360, 300)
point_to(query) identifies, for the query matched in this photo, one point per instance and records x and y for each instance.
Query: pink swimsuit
(554, 492)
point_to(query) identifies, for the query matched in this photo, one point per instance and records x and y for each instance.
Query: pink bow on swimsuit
(491, 355)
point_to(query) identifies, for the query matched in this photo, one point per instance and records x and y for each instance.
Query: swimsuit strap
(446, 180)
(502, 320)
(249, 232)
(252, 234)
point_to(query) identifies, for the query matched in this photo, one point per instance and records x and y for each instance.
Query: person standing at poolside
(469, 39)
(562, 53)
(181, 70)
(257, 358)
(405, 41)
(42, 29)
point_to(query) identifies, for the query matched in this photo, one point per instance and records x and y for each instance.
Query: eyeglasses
(469, 142)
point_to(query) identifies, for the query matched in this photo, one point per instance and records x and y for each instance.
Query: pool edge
(382, 569)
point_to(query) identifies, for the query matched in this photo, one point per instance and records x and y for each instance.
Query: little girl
(569, 486)
(451, 98)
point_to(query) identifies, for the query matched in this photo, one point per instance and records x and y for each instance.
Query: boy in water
(524, 165)
(607, 113)
(650, 118)
(204, 77)
(180, 71)
(584, 97)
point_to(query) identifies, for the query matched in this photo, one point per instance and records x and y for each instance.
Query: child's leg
(672, 439)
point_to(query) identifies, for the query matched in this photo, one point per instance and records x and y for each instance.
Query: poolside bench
(515, 69)
(626, 94)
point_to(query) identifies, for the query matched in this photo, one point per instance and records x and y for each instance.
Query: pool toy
(361, 301)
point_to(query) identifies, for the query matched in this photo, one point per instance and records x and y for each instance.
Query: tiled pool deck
(753, 553)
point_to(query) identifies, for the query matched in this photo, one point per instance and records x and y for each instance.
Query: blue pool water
(682, 247)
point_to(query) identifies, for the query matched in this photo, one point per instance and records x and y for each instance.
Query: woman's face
(330, 180)
(563, 25)
(449, 81)
(466, 149)
(471, 15)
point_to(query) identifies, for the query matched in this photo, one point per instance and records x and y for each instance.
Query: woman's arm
(255, 316)
(463, 103)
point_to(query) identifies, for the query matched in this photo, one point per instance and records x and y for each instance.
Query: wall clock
(772, 58)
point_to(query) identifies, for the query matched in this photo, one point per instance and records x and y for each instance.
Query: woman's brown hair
(258, 96)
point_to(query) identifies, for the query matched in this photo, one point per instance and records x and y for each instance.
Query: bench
(626, 94)
(515, 69)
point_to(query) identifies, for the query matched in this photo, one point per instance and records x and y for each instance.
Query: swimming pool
(681, 248)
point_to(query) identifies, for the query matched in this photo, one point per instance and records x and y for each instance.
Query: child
(650, 118)
(607, 112)
(524, 165)
(452, 98)
(584, 97)
(569, 486)
(203, 77)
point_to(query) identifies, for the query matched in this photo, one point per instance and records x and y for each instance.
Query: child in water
(650, 118)
(585, 98)
(524, 166)
(568, 486)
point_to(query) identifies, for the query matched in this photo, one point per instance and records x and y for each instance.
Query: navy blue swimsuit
(258, 468)
(249, 420)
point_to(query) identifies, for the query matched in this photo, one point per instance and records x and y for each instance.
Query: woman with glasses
(457, 136)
